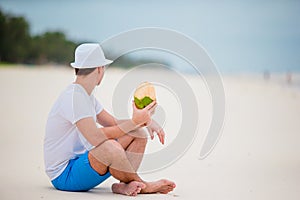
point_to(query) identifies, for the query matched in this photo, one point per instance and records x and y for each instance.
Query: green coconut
(144, 95)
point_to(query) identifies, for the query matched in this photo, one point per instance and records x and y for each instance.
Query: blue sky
(238, 35)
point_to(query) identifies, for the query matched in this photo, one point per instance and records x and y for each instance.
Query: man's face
(100, 71)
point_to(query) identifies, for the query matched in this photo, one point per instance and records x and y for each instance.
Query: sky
(240, 36)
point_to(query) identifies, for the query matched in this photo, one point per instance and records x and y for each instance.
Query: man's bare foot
(162, 186)
(129, 189)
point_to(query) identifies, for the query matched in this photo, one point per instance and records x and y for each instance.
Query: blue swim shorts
(79, 176)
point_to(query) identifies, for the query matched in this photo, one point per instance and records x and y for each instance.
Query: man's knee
(113, 148)
(106, 154)
(109, 147)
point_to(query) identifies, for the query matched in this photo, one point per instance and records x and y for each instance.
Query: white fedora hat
(89, 55)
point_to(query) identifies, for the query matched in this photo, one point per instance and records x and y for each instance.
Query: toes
(134, 194)
(137, 191)
(136, 187)
(141, 185)
(131, 193)
(170, 187)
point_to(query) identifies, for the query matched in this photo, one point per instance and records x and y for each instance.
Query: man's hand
(155, 127)
(142, 116)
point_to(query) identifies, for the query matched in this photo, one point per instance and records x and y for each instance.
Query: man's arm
(95, 136)
(106, 119)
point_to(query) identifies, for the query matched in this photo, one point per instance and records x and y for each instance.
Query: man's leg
(134, 145)
(111, 156)
(134, 148)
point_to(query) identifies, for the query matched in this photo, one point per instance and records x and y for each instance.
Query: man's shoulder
(71, 91)
(65, 98)
(66, 93)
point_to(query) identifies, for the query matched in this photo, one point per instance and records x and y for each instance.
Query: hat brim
(76, 65)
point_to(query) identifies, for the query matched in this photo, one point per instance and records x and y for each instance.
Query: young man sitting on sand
(79, 155)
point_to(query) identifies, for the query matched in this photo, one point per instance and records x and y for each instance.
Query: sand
(257, 157)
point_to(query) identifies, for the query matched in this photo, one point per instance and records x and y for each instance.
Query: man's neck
(85, 84)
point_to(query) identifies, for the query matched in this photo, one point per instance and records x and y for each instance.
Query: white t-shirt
(63, 141)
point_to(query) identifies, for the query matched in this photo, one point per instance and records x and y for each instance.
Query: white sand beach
(257, 156)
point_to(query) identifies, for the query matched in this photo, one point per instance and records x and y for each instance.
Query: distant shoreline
(224, 72)
(278, 78)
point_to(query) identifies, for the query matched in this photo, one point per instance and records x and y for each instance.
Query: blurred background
(240, 36)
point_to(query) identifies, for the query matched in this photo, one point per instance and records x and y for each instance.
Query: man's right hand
(143, 116)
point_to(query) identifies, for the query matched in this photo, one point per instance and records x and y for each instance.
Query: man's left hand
(155, 127)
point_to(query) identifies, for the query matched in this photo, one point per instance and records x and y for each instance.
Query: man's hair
(84, 72)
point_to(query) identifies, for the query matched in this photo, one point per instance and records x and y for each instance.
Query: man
(78, 154)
